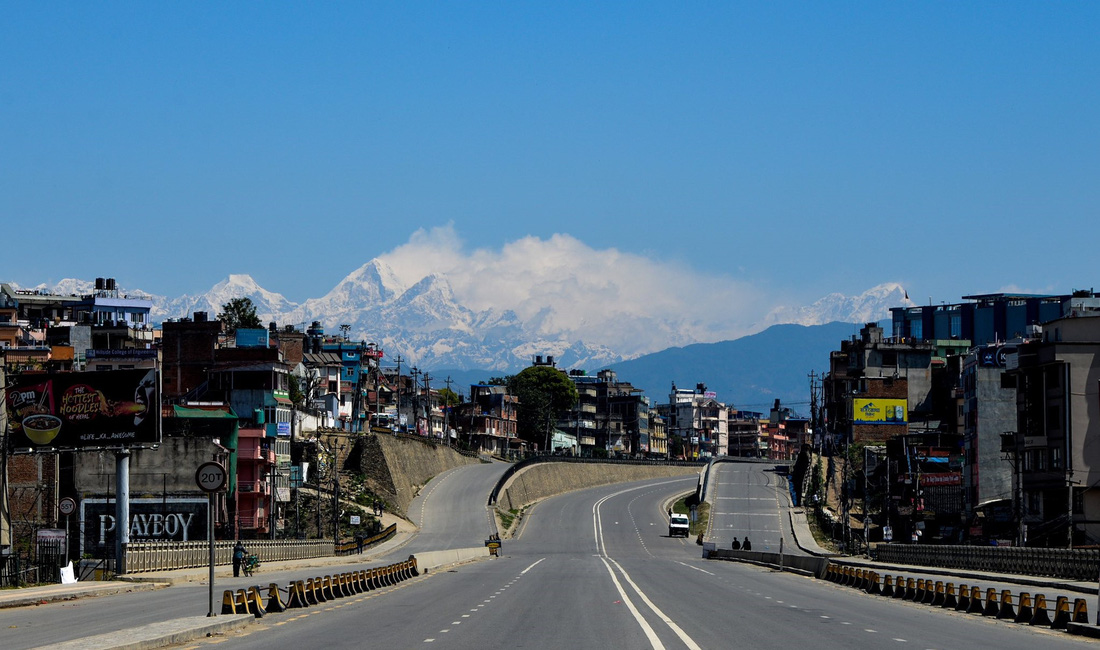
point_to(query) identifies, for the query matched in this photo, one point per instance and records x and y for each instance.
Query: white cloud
(631, 303)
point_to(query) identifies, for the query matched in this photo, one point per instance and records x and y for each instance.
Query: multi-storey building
(610, 416)
(698, 422)
(1058, 422)
(745, 434)
(488, 421)
(878, 388)
(989, 410)
(988, 318)
(658, 436)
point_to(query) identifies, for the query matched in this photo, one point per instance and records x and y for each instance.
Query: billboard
(180, 519)
(76, 410)
(879, 411)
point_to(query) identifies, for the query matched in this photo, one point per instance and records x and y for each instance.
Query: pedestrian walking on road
(359, 543)
(238, 557)
(737, 544)
(747, 546)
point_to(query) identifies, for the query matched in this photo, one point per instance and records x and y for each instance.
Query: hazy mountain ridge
(429, 326)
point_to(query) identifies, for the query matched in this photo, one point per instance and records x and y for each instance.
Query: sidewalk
(55, 593)
(159, 579)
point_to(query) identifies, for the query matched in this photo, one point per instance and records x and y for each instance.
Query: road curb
(159, 635)
(1083, 629)
(100, 590)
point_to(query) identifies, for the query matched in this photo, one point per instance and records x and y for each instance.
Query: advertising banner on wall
(78, 410)
(880, 411)
(175, 519)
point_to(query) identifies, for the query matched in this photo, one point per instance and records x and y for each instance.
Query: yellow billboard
(880, 411)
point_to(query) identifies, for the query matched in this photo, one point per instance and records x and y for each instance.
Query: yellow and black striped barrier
(992, 606)
(1024, 614)
(949, 601)
(1081, 611)
(296, 598)
(275, 599)
(936, 595)
(975, 606)
(1006, 610)
(229, 604)
(966, 598)
(1040, 616)
(255, 602)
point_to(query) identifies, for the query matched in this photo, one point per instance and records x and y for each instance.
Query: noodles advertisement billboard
(80, 410)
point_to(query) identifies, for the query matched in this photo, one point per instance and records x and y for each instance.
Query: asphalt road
(450, 510)
(745, 504)
(590, 569)
(596, 569)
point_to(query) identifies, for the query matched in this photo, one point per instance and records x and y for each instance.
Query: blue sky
(796, 149)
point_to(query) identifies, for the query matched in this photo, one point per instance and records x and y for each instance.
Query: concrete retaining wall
(436, 559)
(549, 479)
(815, 566)
(396, 467)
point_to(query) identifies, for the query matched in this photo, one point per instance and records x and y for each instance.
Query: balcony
(257, 522)
(256, 453)
(254, 487)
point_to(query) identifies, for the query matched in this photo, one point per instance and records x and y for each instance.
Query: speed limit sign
(211, 477)
(67, 506)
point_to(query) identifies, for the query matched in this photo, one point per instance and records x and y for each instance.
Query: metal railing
(165, 556)
(347, 548)
(1067, 564)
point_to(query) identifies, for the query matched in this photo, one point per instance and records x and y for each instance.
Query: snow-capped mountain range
(430, 327)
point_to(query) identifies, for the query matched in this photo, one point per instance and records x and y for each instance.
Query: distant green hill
(748, 373)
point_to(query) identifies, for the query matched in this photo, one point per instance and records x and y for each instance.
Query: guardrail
(301, 594)
(347, 548)
(165, 556)
(1022, 607)
(1068, 564)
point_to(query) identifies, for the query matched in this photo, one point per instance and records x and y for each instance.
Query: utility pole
(414, 374)
(447, 411)
(428, 403)
(399, 360)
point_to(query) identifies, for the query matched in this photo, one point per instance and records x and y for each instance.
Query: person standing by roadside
(238, 557)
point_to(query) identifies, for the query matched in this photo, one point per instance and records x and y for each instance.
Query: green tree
(239, 313)
(500, 381)
(296, 394)
(544, 392)
(448, 397)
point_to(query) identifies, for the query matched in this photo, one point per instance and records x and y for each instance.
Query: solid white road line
(605, 558)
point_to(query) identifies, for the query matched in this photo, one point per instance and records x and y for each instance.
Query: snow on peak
(870, 306)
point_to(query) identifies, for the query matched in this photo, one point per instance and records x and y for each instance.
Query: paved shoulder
(156, 635)
(55, 593)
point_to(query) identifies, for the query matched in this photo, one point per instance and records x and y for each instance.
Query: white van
(677, 525)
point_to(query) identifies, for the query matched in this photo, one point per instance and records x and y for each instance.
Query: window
(1007, 380)
(1054, 376)
(1056, 458)
(1054, 418)
(890, 358)
(1033, 503)
(956, 325)
(916, 328)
